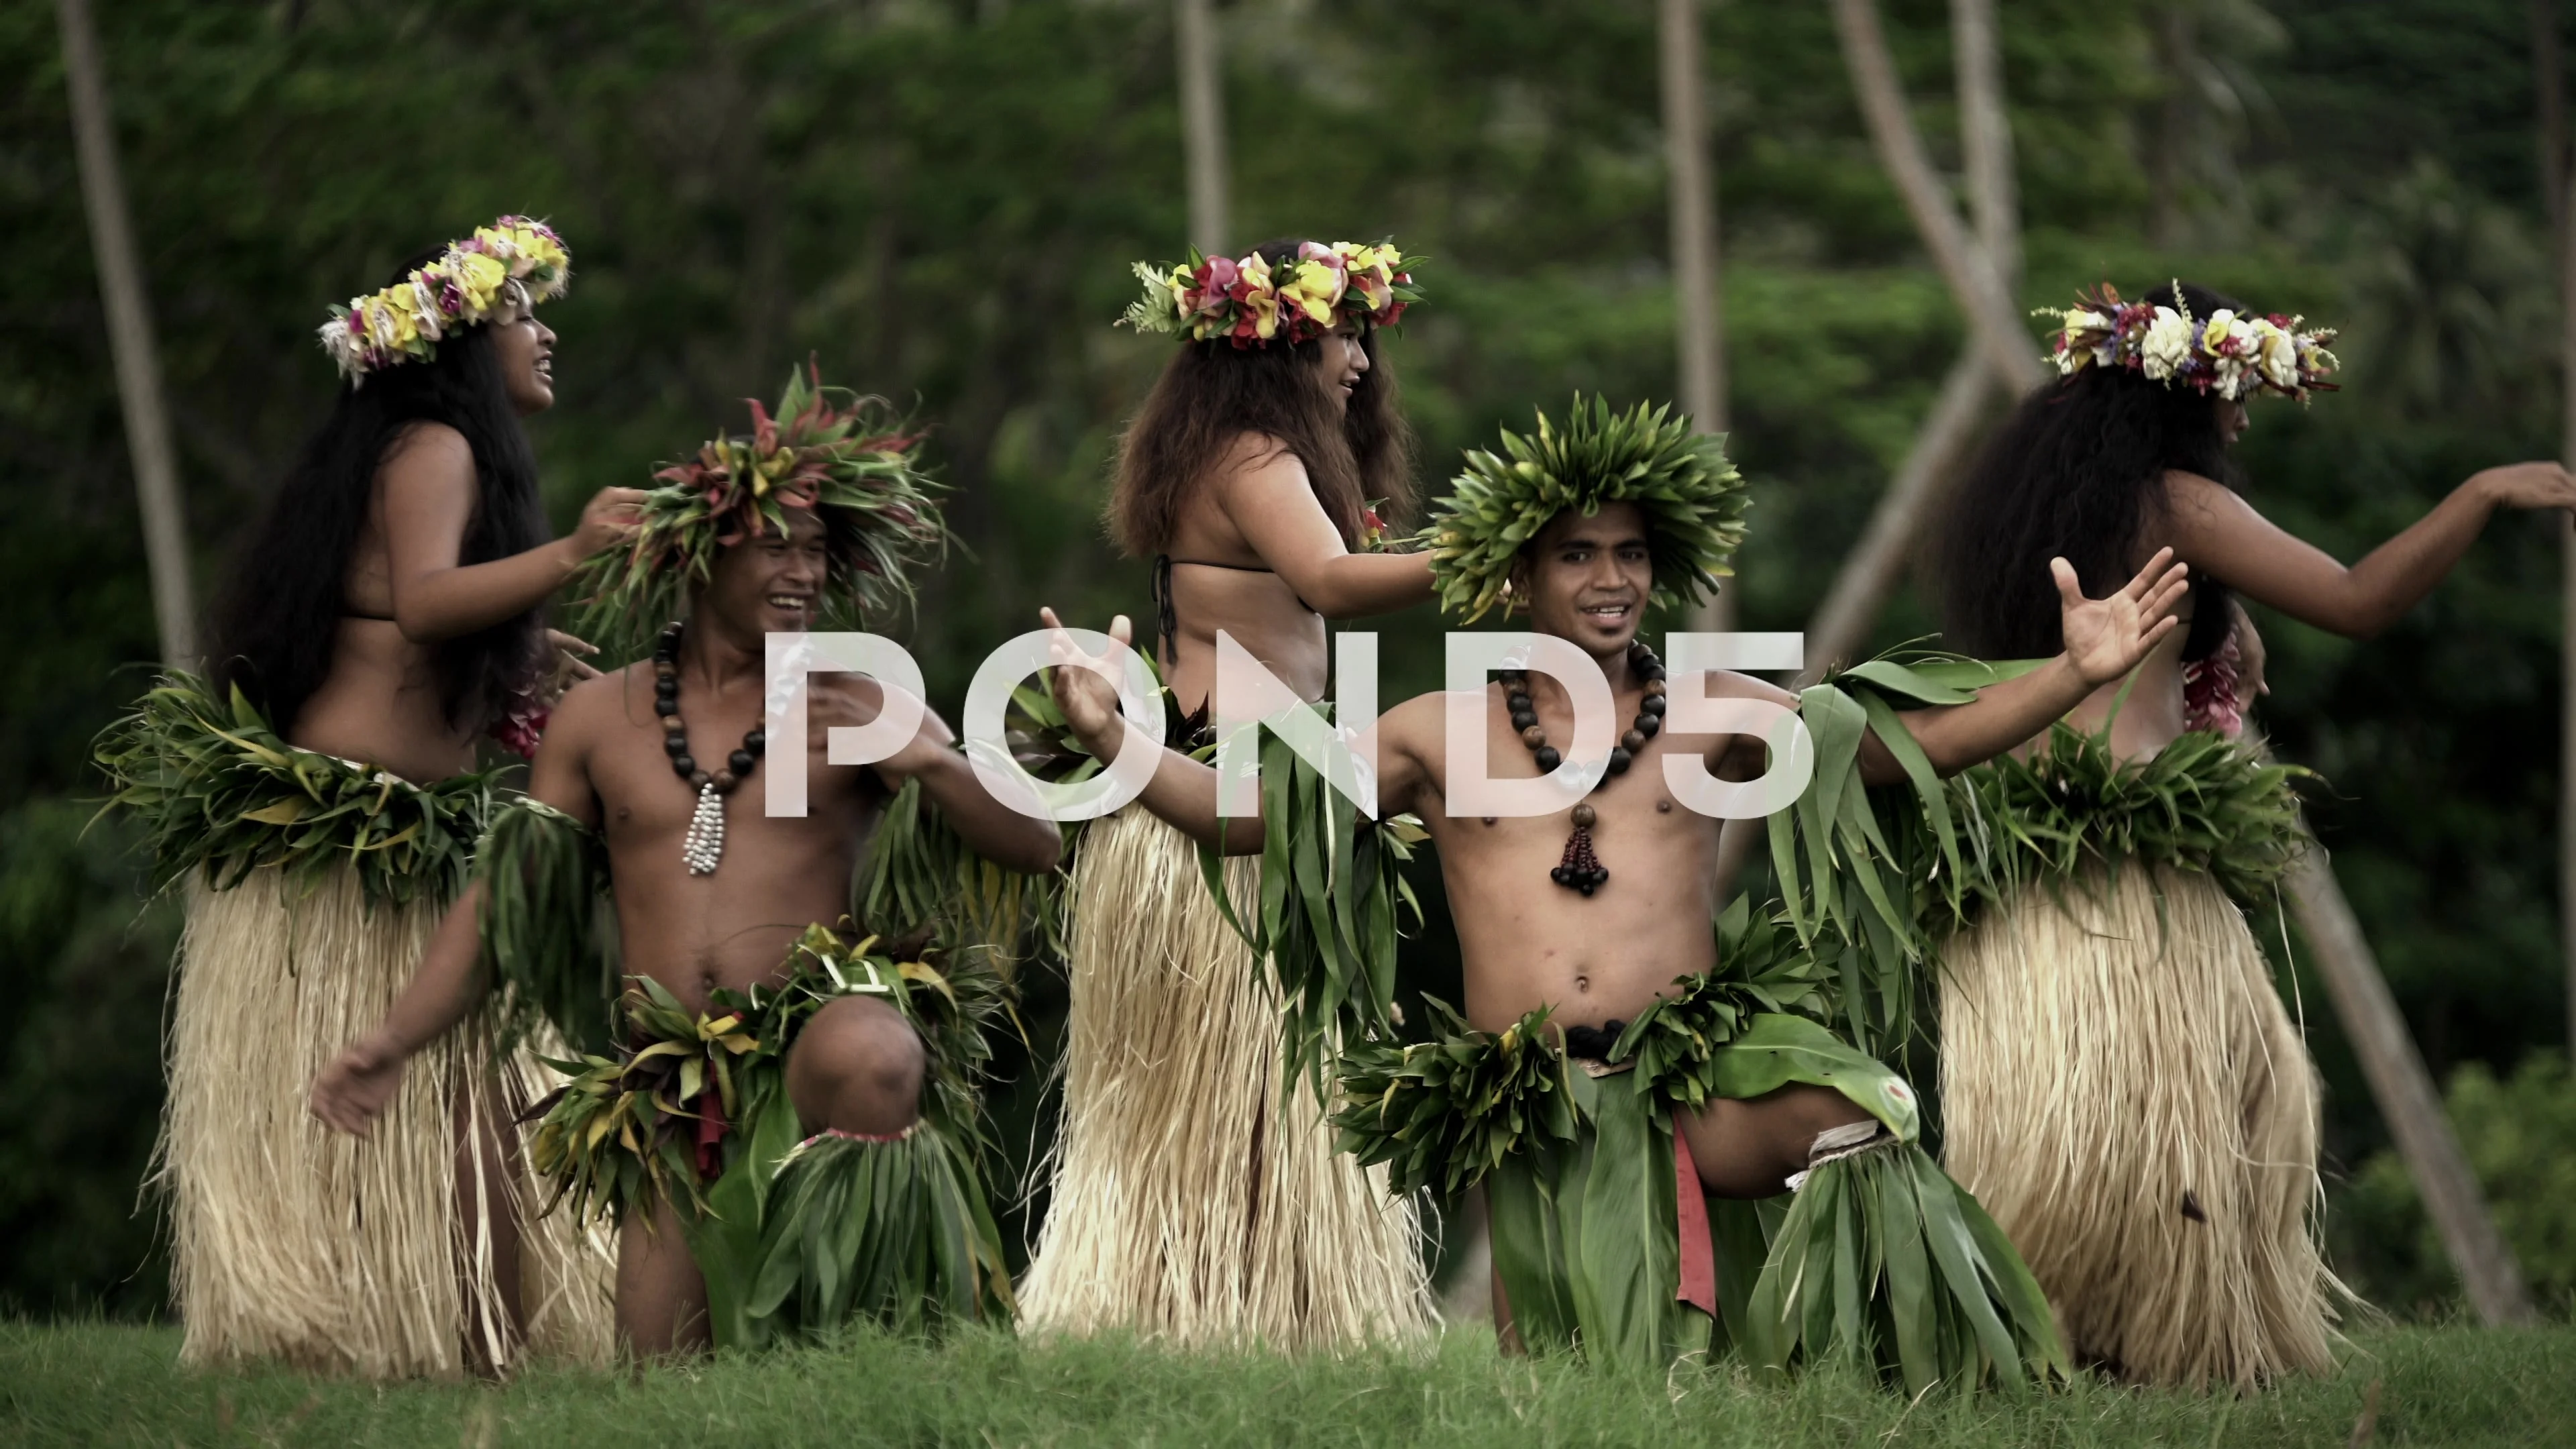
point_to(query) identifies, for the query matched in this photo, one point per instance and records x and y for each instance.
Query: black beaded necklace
(1581, 870)
(703, 847)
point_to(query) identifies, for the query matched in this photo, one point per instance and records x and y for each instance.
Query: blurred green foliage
(938, 199)
(2520, 1136)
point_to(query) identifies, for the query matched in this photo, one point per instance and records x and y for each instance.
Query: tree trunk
(1203, 123)
(1698, 316)
(1985, 135)
(129, 331)
(2553, 144)
(2549, 74)
(1869, 572)
(2174, 46)
(1980, 290)
(2404, 1091)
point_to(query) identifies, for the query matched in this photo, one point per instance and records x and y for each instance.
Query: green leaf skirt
(795, 1234)
(1606, 1245)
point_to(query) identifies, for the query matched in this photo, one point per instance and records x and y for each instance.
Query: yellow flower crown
(469, 282)
(1251, 300)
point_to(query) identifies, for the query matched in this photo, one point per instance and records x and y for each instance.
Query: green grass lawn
(95, 1384)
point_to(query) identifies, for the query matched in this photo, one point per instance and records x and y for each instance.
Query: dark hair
(2078, 471)
(278, 621)
(1212, 393)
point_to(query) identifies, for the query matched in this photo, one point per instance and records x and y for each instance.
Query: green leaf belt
(2204, 803)
(667, 1112)
(216, 788)
(1445, 1112)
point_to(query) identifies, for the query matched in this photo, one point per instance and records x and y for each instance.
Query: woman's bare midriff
(380, 702)
(380, 705)
(1257, 608)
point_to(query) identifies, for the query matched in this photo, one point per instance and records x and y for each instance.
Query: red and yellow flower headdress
(1251, 300)
(2224, 354)
(848, 459)
(470, 281)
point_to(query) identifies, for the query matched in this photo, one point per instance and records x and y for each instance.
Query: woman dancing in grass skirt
(2164, 1189)
(318, 801)
(1191, 1201)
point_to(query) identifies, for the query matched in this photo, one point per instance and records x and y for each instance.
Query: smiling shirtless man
(726, 934)
(1593, 960)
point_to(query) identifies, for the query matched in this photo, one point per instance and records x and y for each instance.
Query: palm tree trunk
(129, 331)
(1202, 122)
(1975, 282)
(2404, 1091)
(1699, 318)
(1869, 572)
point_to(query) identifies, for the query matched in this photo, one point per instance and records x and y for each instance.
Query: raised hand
(610, 517)
(570, 667)
(2105, 638)
(353, 1090)
(1089, 701)
(2528, 485)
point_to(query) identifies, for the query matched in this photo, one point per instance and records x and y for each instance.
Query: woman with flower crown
(1190, 1203)
(2164, 1188)
(318, 800)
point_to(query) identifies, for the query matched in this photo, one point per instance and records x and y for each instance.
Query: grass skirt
(2122, 1090)
(331, 1253)
(1185, 1207)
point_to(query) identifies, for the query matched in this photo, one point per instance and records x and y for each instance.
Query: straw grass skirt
(2122, 1090)
(1189, 1206)
(295, 1243)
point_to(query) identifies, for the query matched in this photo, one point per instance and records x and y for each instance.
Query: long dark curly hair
(1212, 393)
(2078, 472)
(277, 621)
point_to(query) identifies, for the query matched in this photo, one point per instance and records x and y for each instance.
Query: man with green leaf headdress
(781, 1115)
(1633, 1090)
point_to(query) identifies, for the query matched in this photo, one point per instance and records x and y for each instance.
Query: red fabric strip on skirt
(1698, 1286)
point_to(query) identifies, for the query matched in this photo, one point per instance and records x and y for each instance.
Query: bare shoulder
(594, 704)
(1259, 463)
(1416, 726)
(2189, 497)
(428, 449)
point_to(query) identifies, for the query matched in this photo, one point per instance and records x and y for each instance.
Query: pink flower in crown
(1256, 302)
(1217, 276)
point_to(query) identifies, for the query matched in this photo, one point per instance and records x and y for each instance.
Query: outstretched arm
(2105, 639)
(355, 1087)
(2222, 536)
(429, 495)
(1273, 505)
(1183, 792)
(1013, 839)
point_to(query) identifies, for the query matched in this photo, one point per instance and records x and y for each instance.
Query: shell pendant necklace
(1580, 869)
(702, 849)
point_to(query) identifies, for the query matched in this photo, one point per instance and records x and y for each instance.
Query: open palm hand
(2105, 638)
(1080, 681)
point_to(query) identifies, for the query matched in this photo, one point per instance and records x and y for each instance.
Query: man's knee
(1748, 1148)
(857, 1067)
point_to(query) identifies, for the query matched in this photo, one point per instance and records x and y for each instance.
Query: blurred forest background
(939, 199)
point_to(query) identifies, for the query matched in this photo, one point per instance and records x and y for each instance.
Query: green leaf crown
(1692, 496)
